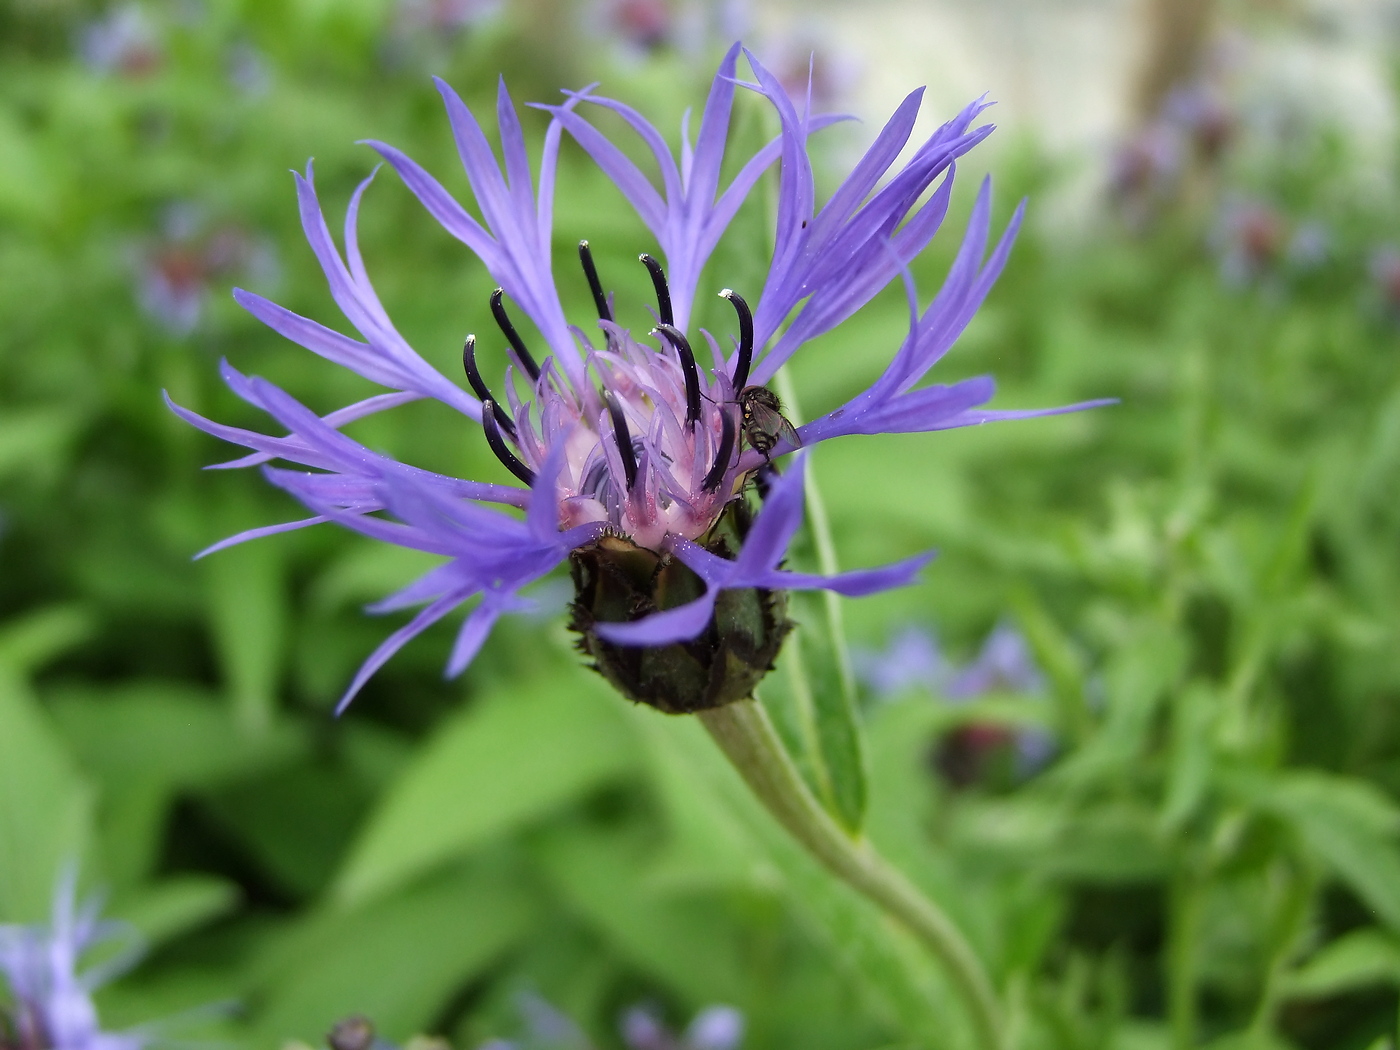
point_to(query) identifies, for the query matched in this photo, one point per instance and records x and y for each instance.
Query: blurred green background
(1177, 827)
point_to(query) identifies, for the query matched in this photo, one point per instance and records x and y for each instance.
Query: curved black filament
(479, 387)
(741, 368)
(498, 445)
(692, 374)
(663, 290)
(624, 439)
(498, 311)
(585, 256)
(726, 450)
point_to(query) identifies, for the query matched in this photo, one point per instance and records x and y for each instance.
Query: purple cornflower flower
(51, 1001)
(632, 456)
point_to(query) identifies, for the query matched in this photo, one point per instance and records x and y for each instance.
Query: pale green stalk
(748, 739)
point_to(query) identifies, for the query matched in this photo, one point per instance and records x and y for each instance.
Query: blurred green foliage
(1208, 575)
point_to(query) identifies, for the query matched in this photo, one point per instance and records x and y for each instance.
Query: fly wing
(769, 420)
(787, 432)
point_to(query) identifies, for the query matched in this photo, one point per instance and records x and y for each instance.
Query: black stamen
(624, 439)
(585, 256)
(663, 290)
(479, 387)
(692, 374)
(741, 368)
(498, 311)
(498, 445)
(726, 449)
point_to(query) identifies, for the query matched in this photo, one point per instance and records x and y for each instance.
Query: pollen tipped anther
(692, 374)
(585, 256)
(498, 445)
(624, 439)
(663, 290)
(498, 311)
(741, 367)
(479, 387)
(720, 467)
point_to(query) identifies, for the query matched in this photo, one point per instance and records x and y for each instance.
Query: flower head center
(651, 447)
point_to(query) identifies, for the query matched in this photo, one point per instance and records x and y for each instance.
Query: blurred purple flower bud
(123, 42)
(715, 1028)
(1035, 747)
(804, 60)
(1145, 168)
(175, 271)
(1202, 112)
(548, 1026)
(445, 16)
(1250, 237)
(641, 1029)
(248, 70)
(638, 27)
(1310, 246)
(1385, 275)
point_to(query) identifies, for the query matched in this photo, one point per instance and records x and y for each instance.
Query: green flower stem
(820, 525)
(1183, 934)
(750, 742)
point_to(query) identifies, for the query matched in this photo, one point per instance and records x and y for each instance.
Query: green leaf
(682, 941)
(511, 758)
(28, 642)
(45, 805)
(247, 605)
(398, 960)
(173, 906)
(1351, 826)
(145, 742)
(1360, 959)
(1059, 657)
(1193, 718)
(165, 733)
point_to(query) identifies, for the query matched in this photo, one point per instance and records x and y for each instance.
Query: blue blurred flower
(1004, 663)
(613, 436)
(445, 16)
(124, 42)
(713, 1028)
(913, 660)
(51, 999)
(1250, 236)
(177, 268)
